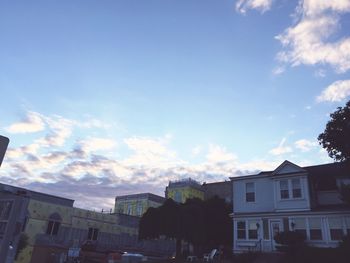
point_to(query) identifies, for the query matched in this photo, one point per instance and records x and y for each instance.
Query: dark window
(315, 228)
(315, 234)
(93, 233)
(336, 234)
(296, 188)
(5, 209)
(326, 183)
(241, 231)
(250, 192)
(284, 191)
(52, 228)
(336, 228)
(266, 229)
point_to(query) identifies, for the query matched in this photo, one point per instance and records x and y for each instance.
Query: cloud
(219, 154)
(261, 5)
(33, 122)
(305, 145)
(150, 152)
(335, 92)
(313, 40)
(94, 144)
(281, 148)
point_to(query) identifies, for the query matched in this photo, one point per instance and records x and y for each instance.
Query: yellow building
(137, 204)
(53, 226)
(184, 189)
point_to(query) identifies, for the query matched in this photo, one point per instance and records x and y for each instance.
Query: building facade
(290, 198)
(184, 189)
(53, 226)
(137, 204)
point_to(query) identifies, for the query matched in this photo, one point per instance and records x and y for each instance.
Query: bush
(290, 238)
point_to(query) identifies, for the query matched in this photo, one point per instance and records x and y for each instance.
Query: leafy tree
(336, 137)
(205, 224)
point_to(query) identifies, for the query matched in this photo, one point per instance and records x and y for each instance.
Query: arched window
(54, 224)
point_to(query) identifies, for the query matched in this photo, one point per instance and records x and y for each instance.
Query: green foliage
(290, 238)
(22, 243)
(205, 224)
(336, 137)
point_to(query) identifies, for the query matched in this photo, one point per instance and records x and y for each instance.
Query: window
(241, 230)
(253, 229)
(129, 209)
(52, 228)
(92, 234)
(266, 229)
(139, 209)
(315, 228)
(335, 228)
(250, 192)
(300, 226)
(284, 189)
(5, 209)
(2, 229)
(290, 188)
(178, 197)
(296, 188)
(347, 222)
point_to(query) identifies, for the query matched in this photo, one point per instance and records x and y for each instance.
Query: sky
(106, 98)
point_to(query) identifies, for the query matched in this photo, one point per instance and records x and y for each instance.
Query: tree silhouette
(205, 224)
(336, 137)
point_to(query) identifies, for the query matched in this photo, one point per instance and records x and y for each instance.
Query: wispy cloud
(305, 145)
(261, 5)
(281, 148)
(335, 92)
(33, 122)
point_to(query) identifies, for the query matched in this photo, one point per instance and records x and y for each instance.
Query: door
(275, 228)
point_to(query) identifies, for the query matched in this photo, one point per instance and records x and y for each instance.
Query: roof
(339, 169)
(150, 196)
(36, 195)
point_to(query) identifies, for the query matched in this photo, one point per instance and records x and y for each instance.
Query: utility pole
(4, 142)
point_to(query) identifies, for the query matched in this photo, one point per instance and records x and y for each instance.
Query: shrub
(290, 238)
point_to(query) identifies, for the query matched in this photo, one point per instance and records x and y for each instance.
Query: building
(303, 199)
(220, 189)
(184, 189)
(53, 226)
(137, 204)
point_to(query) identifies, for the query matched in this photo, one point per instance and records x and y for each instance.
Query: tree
(205, 224)
(336, 137)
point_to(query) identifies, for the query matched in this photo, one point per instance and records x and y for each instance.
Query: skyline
(101, 100)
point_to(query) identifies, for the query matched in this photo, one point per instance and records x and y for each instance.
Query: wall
(264, 195)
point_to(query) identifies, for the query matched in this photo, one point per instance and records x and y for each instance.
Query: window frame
(247, 196)
(291, 190)
(52, 227)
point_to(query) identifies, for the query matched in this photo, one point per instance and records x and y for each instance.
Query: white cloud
(150, 152)
(94, 144)
(308, 42)
(262, 5)
(337, 91)
(305, 145)
(196, 151)
(278, 70)
(219, 154)
(281, 148)
(33, 122)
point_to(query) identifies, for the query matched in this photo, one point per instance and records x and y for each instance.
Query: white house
(304, 199)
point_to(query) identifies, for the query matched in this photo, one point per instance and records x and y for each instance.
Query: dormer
(291, 190)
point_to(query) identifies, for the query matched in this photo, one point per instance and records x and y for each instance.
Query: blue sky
(104, 98)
